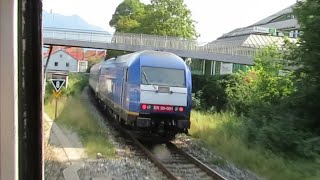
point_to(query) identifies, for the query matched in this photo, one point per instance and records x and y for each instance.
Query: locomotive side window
(163, 76)
(127, 75)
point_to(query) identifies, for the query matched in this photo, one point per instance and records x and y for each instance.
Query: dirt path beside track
(63, 152)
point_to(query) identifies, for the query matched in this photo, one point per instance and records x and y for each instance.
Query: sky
(213, 17)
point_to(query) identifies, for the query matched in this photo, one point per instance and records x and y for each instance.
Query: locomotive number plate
(163, 108)
(163, 89)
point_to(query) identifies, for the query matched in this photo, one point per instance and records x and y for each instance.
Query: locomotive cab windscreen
(163, 77)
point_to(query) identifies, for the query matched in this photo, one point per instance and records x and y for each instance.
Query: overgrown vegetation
(269, 113)
(264, 96)
(209, 92)
(307, 54)
(76, 83)
(258, 119)
(74, 114)
(223, 133)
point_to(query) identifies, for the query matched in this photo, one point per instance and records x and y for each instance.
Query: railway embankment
(214, 140)
(127, 162)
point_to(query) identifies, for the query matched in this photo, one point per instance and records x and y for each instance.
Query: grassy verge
(49, 107)
(74, 114)
(222, 133)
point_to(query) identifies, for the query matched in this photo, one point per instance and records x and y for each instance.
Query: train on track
(148, 92)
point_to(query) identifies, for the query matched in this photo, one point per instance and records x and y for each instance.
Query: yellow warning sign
(58, 84)
(56, 94)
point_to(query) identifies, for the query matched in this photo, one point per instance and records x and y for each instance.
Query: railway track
(177, 165)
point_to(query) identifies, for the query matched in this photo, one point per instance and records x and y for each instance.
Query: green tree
(115, 53)
(128, 16)
(161, 17)
(306, 100)
(308, 16)
(169, 18)
(262, 83)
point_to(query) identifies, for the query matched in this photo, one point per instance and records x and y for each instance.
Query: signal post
(57, 85)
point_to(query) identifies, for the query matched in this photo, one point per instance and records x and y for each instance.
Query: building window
(82, 66)
(60, 55)
(197, 66)
(239, 67)
(213, 67)
(55, 63)
(283, 17)
(67, 64)
(207, 67)
(218, 67)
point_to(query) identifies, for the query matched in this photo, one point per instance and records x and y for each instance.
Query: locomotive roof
(150, 58)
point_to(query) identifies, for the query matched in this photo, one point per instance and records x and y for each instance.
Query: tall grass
(49, 106)
(223, 133)
(75, 115)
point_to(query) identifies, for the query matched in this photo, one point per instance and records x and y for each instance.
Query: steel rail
(195, 161)
(165, 170)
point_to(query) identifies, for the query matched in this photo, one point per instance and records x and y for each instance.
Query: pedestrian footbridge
(136, 42)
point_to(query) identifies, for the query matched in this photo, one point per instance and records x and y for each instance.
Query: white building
(62, 61)
(267, 31)
(282, 23)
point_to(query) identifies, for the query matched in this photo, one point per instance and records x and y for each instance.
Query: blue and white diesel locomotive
(147, 91)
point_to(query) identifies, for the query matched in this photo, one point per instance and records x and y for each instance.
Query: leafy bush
(76, 84)
(48, 96)
(266, 98)
(261, 83)
(210, 92)
(278, 129)
(196, 101)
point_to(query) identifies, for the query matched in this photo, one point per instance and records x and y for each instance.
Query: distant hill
(70, 22)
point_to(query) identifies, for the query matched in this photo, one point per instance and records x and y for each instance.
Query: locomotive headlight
(180, 109)
(176, 108)
(143, 106)
(149, 107)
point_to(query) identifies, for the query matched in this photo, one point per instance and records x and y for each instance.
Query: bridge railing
(79, 35)
(159, 42)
